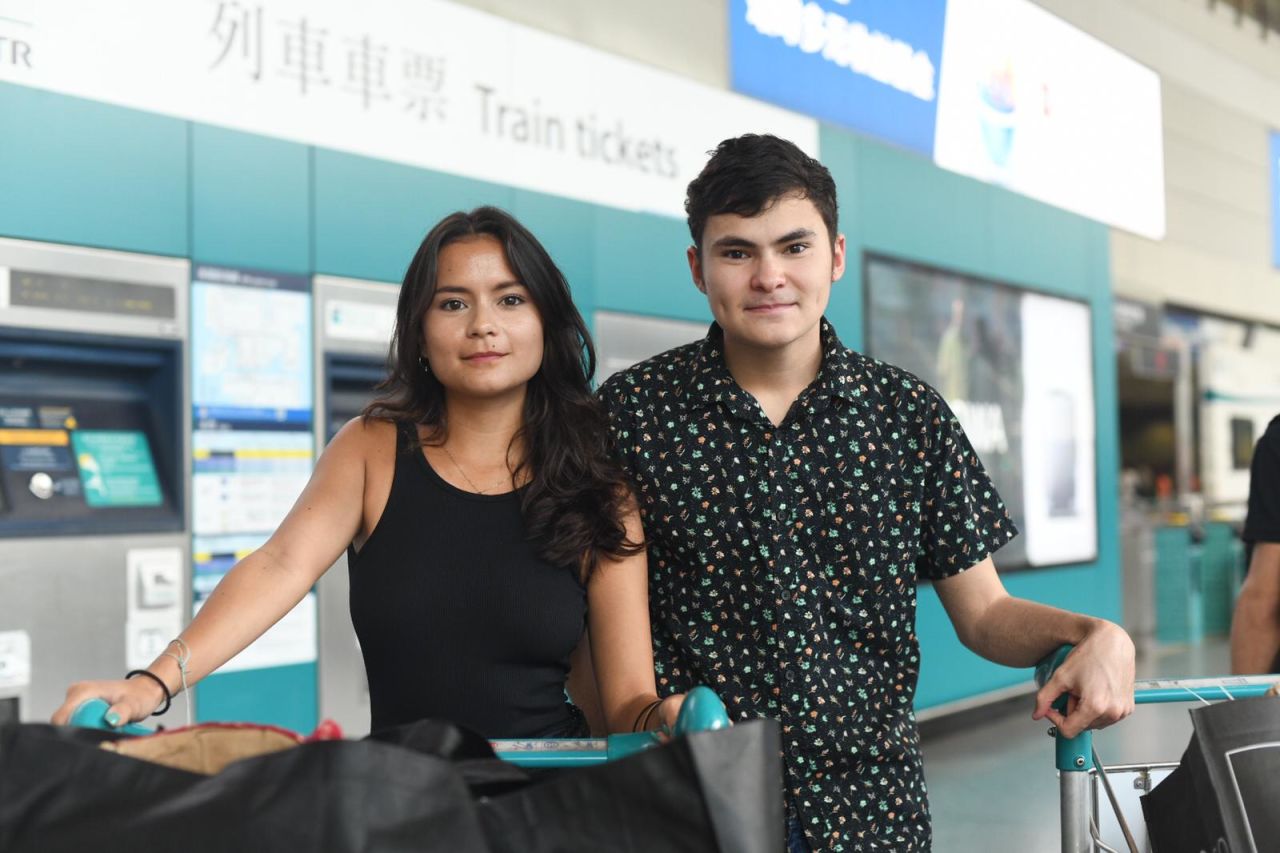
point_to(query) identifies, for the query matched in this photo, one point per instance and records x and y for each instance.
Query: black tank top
(458, 617)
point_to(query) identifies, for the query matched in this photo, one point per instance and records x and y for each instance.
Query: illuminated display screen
(250, 347)
(252, 446)
(1016, 367)
(102, 296)
(116, 468)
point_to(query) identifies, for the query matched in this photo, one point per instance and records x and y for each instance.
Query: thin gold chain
(470, 482)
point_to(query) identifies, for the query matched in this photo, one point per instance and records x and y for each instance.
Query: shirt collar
(839, 376)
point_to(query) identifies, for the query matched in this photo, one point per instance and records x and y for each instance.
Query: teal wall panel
(280, 696)
(566, 228)
(250, 201)
(81, 172)
(898, 204)
(839, 154)
(641, 266)
(908, 207)
(371, 215)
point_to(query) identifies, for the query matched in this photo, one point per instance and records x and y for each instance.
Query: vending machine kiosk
(94, 482)
(626, 339)
(353, 326)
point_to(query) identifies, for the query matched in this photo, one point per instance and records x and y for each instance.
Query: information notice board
(252, 446)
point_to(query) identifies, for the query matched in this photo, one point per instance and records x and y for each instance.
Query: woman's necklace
(470, 482)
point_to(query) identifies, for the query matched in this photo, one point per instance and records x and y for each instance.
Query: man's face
(768, 277)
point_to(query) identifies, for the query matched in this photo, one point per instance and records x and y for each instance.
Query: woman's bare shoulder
(369, 438)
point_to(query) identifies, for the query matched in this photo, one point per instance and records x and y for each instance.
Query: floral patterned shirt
(783, 563)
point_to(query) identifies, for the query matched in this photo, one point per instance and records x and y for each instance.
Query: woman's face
(482, 334)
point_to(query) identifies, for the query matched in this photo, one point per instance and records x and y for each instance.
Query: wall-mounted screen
(1016, 367)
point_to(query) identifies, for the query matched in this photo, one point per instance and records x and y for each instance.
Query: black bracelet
(168, 697)
(643, 716)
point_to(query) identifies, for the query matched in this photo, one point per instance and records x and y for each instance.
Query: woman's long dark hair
(576, 493)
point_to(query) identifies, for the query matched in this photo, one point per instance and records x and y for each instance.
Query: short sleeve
(963, 519)
(619, 410)
(1262, 524)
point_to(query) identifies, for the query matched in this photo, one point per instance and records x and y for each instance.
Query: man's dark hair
(747, 174)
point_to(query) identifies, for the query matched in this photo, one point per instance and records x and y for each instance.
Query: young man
(1255, 628)
(792, 492)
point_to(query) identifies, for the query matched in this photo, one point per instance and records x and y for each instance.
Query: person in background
(1255, 627)
(793, 492)
(486, 522)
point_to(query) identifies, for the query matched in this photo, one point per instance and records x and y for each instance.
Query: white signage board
(427, 83)
(364, 322)
(15, 660)
(1060, 503)
(1031, 103)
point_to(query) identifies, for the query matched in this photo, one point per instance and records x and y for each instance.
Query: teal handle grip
(1074, 755)
(702, 711)
(92, 714)
(1050, 663)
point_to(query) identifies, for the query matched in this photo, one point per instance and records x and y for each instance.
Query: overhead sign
(1033, 104)
(871, 66)
(999, 90)
(427, 83)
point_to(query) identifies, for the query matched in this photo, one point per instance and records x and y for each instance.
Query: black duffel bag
(1224, 796)
(428, 787)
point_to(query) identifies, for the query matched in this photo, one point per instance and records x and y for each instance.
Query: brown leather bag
(209, 747)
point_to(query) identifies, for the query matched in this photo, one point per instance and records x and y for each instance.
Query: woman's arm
(621, 650)
(261, 588)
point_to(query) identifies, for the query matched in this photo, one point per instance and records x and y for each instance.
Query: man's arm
(1255, 627)
(1097, 676)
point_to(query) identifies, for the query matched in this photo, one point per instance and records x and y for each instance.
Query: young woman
(486, 524)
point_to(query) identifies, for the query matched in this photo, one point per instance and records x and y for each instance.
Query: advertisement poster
(999, 90)
(1016, 369)
(1033, 104)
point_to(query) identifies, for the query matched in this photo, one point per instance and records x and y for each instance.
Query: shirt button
(790, 674)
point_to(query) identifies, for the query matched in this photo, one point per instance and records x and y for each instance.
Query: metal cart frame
(1078, 763)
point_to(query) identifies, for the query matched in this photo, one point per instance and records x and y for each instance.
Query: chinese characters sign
(428, 83)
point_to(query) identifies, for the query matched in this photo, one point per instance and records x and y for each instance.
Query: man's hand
(1097, 678)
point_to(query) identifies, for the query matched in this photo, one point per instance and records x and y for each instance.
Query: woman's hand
(668, 711)
(130, 699)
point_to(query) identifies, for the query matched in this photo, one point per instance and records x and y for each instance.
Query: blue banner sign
(870, 65)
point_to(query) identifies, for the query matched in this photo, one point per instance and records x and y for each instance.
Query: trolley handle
(92, 714)
(1151, 691)
(702, 711)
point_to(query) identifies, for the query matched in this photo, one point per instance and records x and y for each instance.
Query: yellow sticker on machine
(43, 437)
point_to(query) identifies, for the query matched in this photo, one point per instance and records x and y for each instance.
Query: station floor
(992, 783)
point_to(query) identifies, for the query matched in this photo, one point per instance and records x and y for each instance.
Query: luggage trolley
(702, 711)
(1084, 781)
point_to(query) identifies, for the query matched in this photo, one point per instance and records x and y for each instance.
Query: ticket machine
(626, 339)
(94, 482)
(353, 325)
